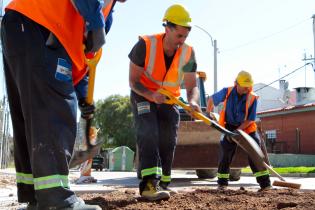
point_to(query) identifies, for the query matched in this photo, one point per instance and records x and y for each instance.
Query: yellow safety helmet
(244, 79)
(178, 15)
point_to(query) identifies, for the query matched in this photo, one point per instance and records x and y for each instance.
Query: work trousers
(227, 151)
(156, 130)
(43, 111)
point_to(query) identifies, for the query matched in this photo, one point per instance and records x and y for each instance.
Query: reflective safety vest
(62, 19)
(250, 98)
(156, 75)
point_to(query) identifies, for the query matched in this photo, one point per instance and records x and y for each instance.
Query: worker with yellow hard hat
(238, 112)
(157, 61)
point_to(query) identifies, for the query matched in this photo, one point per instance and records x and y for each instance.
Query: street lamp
(314, 39)
(215, 52)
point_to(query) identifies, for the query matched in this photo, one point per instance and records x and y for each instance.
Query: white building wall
(269, 97)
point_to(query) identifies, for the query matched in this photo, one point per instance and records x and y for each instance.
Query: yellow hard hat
(178, 15)
(244, 79)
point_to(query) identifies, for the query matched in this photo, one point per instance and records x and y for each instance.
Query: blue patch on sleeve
(63, 71)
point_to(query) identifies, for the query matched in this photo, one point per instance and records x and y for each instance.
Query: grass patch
(287, 170)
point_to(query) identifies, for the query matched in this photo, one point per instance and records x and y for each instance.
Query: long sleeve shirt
(91, 11)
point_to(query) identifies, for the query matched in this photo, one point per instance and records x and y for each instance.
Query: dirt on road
(193, 198)
(209, 199)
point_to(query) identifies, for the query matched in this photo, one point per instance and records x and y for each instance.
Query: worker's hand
(95, 40)
(195, 106)
(158, 98)
(87, 110)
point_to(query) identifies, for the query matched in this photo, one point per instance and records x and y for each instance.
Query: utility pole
(314, 40)
(215, 52)
(215, 73)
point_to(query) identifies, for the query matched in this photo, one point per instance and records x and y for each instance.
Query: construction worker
(161, 61)
(42, 44)
(239, 112)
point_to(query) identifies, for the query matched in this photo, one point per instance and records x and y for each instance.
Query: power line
(264, 37)
(284, 76)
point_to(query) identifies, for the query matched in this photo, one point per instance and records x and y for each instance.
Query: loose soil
(209, 199)
(200, 198)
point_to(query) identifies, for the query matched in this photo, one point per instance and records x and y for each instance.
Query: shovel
(87, 149)
(245, 141)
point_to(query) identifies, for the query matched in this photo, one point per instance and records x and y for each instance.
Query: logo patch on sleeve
(63, 71)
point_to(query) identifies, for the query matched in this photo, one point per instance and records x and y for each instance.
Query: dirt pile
(209, 199)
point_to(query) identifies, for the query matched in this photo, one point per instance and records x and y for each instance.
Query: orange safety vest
(250, 98)
(64, 21)
(155, 74)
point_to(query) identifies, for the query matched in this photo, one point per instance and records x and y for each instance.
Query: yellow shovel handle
(175, 100)
(92, 63)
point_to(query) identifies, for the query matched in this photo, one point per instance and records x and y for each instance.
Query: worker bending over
(239, 112)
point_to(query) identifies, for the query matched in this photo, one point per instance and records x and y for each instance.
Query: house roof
(287, 110)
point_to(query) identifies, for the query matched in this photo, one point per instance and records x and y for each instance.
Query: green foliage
(114, 118)
(287, 170)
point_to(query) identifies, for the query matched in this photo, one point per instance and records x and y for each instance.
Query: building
(291, 129)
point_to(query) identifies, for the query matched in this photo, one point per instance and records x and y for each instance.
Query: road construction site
(119, 190)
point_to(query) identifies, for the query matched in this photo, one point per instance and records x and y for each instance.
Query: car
(98, 163)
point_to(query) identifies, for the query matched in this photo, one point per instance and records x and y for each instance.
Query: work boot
(31, 206)
(264, 189)
(222, 187)
(164, 186)
(79, 205)
(149, 189)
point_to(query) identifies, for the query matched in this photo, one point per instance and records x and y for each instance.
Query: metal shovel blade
(248, 144)
(81, 156)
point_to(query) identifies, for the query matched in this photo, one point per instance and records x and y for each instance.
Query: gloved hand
(87, 110)
(95, 40)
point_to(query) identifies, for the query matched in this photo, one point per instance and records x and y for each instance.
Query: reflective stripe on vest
(62, 19)
(155, 75)
(250, 98)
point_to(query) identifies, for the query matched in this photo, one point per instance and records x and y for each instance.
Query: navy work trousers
(156, 130)
(227, 151)
(43, 112)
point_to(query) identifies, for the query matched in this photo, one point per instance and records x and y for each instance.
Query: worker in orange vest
(161, 61)
(42, 43)
(239, 112)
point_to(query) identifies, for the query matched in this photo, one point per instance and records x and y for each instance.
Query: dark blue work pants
(43, 112)
(156, 130)
(227, 151)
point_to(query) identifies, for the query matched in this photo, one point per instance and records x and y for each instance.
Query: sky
(268, 38)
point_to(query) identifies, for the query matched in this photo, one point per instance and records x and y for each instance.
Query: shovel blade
(81, 156)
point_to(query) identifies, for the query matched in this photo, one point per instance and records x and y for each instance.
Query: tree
(114, 118)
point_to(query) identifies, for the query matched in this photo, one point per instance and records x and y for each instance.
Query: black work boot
(78, 205)
(150, 190)
(165, 186)
(264, 183)
(31, 206)
(222, 183)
